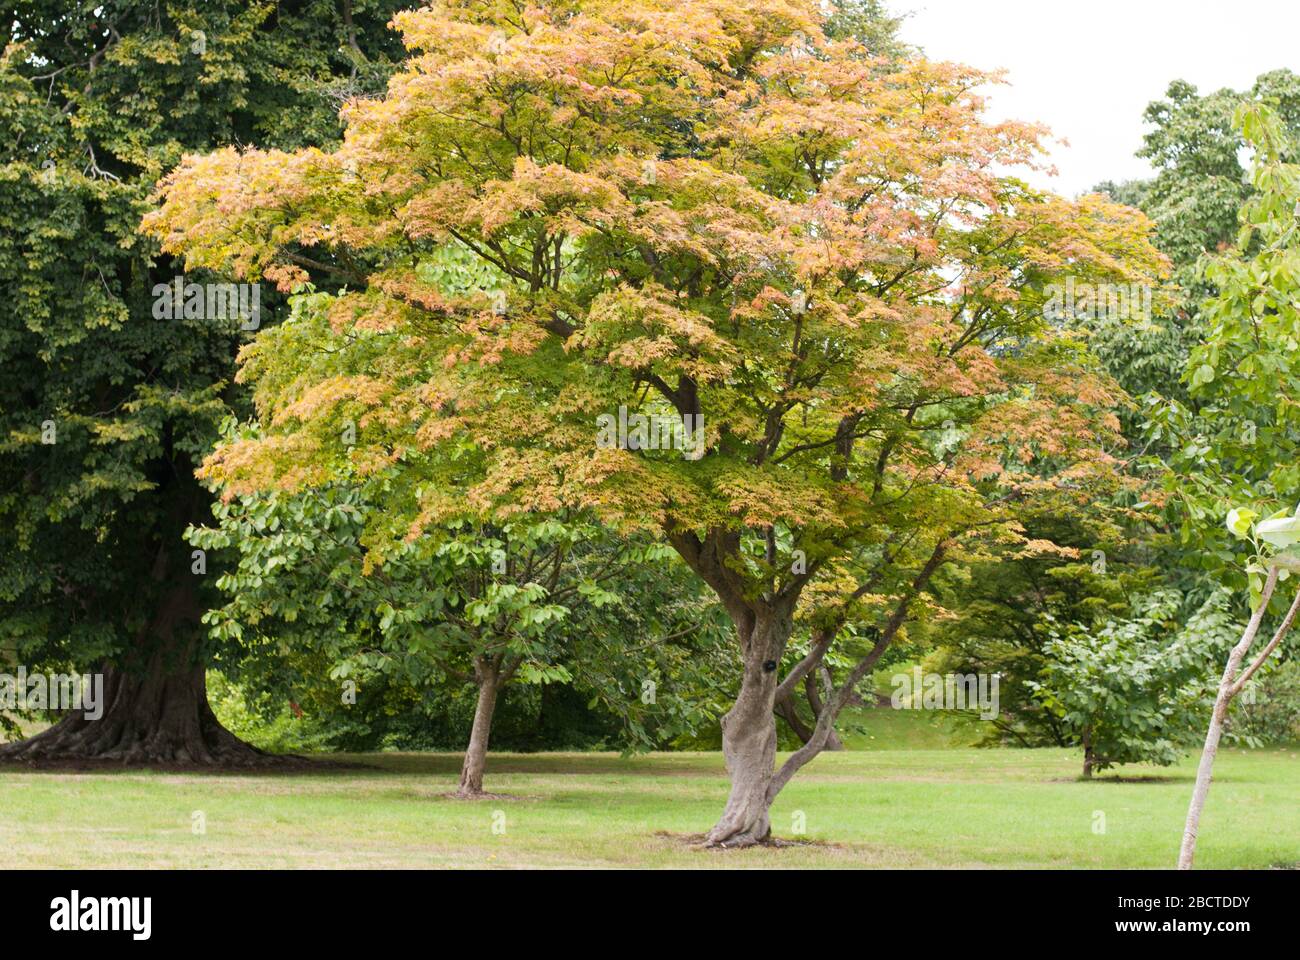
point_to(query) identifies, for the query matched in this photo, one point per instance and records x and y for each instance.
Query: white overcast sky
(1088, 68)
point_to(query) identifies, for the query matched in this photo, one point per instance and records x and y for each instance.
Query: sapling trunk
(1229, 686)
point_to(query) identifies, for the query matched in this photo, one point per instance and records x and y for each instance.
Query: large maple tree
(700, 209)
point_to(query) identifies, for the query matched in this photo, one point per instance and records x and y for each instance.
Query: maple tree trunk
(788, 711)
(471, 770)
(749, 737)
(833, 741)
(773, 636)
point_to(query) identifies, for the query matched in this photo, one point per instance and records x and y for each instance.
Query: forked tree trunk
(787, 709)
(749, 727)
(488, 676)
(833, 741)
(1229, 686)
(155, 713)
(749, 735)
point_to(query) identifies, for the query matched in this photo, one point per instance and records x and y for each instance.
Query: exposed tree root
(155, 720)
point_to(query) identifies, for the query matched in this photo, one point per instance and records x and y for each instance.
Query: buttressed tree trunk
(489, 677)
(1229, 686)
(155, 709)
(154, 712)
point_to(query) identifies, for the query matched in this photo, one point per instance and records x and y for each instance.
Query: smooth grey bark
(787, 709)
(835, 703)
(1229, 686)
(833, 742)
(749, 728)
(749, 732)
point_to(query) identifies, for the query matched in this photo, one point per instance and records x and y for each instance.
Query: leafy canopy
(704, 209)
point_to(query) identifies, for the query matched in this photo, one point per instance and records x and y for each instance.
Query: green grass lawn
(862, 728)
(956, 807)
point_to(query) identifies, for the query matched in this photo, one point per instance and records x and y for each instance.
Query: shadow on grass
(277, 765)
(700, 841)
(1134, 778)
(401, 764)
(552, 764)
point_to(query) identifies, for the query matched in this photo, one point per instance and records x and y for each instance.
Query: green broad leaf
(1239, 521)
(1279, 531)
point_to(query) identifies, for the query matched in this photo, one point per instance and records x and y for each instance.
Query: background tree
(1201, 181)
(105, 410)
(534, 601)
(1125, 693)
(1006, 612)
(704, 212)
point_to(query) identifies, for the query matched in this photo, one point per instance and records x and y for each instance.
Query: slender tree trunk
(488, 675)
(787, 709)
(833, 741)
(154, 714)
(1087, 753)
(1204, 773)
(749, 734)
(1229, 686)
